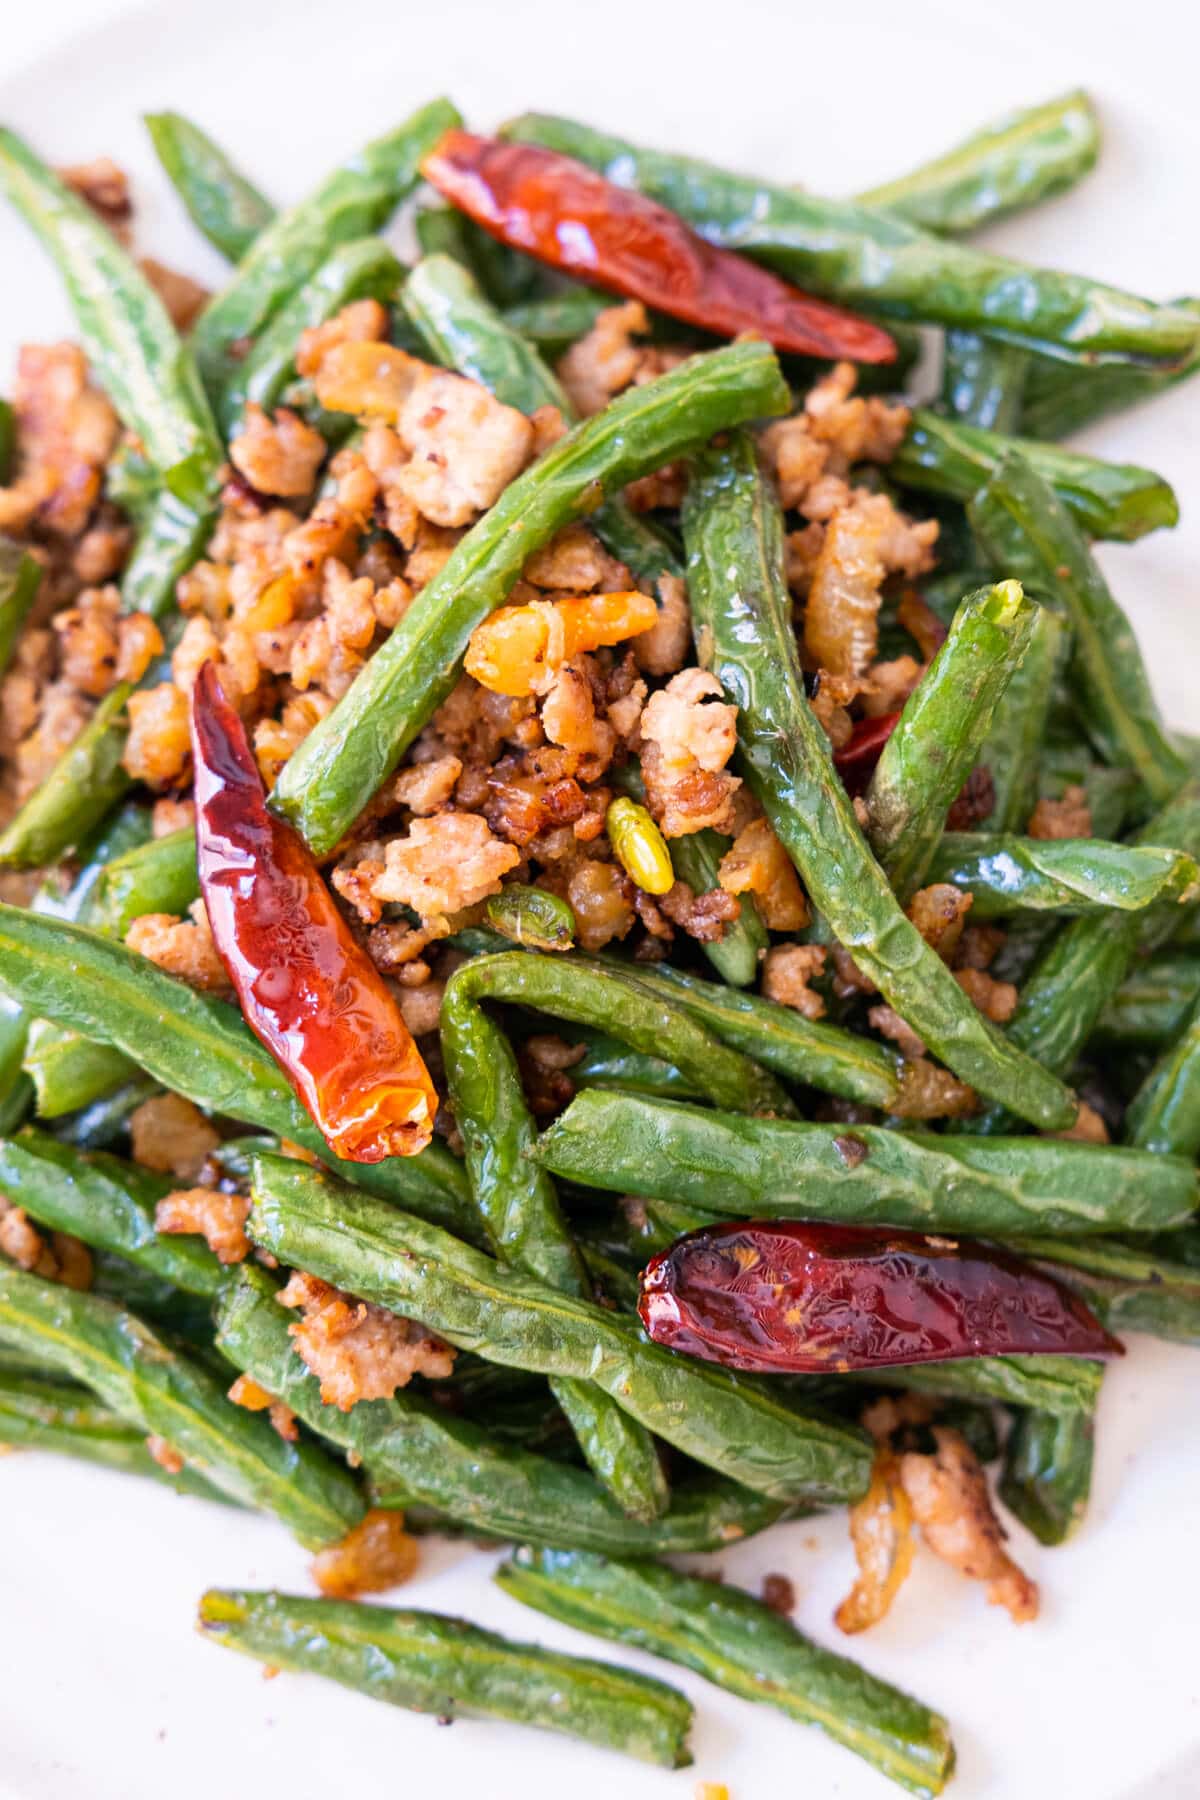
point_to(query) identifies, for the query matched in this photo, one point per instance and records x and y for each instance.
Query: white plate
(107, 1693)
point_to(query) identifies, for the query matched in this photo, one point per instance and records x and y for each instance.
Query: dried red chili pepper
(566, 215)
(307, 990)
(781, 1297)
(855, 761)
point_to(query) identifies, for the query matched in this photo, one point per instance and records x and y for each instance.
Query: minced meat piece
(183, 298)
(139, 641)
(421, 1005)
(426, 787)
(890, 685)
(444, 863)
(704, 917)
(358, 1351)
(217, 1217)
(939, 913)
(278, 454)
(569, 719)
(928, 1091)
(841, 618)
(183, 947)
(688, 735)
(87, 641)
(1068, 817)
(246, 1392)
(664, 648)
(378, 1554)
(103, 185)
(171, 1135)
(66, 431)
(54, 1255)
(158, 749)
(576, 560)
(997, 1000)
(831, 696)
(362, 322)
(169, 815)
(787, 971)
(888, 1023)
(1089, 1127)
(757, 863)
(949, 1498)
(778, 1595)
(601, 897)
(606, 359)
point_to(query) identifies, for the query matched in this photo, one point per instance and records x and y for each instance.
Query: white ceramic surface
(107, 1694)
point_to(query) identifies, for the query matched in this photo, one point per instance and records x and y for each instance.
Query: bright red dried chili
(568, 216)
(781, 1297)
(855, 761)
(307, 990)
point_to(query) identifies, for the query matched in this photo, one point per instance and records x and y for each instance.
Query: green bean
(1012, 750)
(338, 768)
(1164, 1114)
(532, 917)
(364, 268)
(464, 332)
(940, 732)
(615, 999)
(195, 1046)
(85, 782)
(36, 1414)
(1061, 398)
(1006, 874)
(20, 578)
(170, 541)
(131, 482)
(415, 1449)
(106, 1202)
(131, 344)
(158, 876)
(742, 1646)
(742, 613)
(873, 259)
(433, 1664)
(983, 380)
(168, 1394)
(69, 1071)
(221, 203)
(860, 1174)
(1085, 963)
(1062, 1385)
(1129, 1289)
(1017, 161)
(559, 320)
(356, 199)
(1025, 528)
(1151, 1007)
(1106, 500)
(811, 1052)
(441, 232)
(8, 440)
(1047, 1475)
(735, 1427)
(524, 1224)
(606, 1062)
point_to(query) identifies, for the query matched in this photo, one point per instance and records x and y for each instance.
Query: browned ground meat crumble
(358, 1351)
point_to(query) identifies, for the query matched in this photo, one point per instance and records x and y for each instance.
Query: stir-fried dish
(599, 941)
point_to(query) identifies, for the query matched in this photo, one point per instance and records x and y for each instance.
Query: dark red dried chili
(568, 216)
(855, 761)
(780, 1297)
(307, 990)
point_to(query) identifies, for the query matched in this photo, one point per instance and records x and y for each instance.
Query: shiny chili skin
(307, 990)
(855, 761)
(782, 1297)
(566, 215)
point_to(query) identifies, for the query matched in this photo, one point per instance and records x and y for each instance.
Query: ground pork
(1089, 1127)
(928, 1091)
(601, 897)
(576, 560)
(890, 684)
(219, 1218)
(66, 431)
(61, 716)
(1068, 817)
(569, 718)
(378, 1554)
(358, 1351)
(54, 1255)
(421, 1005)
(939, 913)
(757, 863)
(363, 321)
(171, 1135)
(787, 971)
(831, 698)
(605, 359)
(158, 749)
(664, 648)
(689, 733)
(104, 186)
(443, 864)
(246, 1392)
(841, 617)
(705, 917)
(974, 801)
(426, 787)
(169, 815)
(997, 1000)
(949, 1498)
(277, 453)
(888, 1023)
(183, 947)
(183, 298)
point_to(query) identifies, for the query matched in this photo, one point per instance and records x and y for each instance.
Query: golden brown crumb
(183, 298)
(576, 560)
(888, 1023)
(87, 641)
(158, 749)
(881, 1532)
(601, 896)
(444, 864)
(704, 917)
(787, 971)
(939, 913)
(169, 815)
(1068, 817)
(949, 1498)
(358, 1351)
(363, 321)
(277, 454)
(66, 431)
(139, 641)
(605, 359)
(246, 1392)
(54, 1255)
(421, 1005)
(997, 1000)
(171, 1135)
(689, 733)
(890, 1412)
(928, 1091)
(831, 696)
(426, 787)
(164, 1454)
(664, 648)
(378, 1554)
(183, 947)
(890, 685)
(219, 1218)
(848, 978)
(1089, 1127)
(104, 186)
